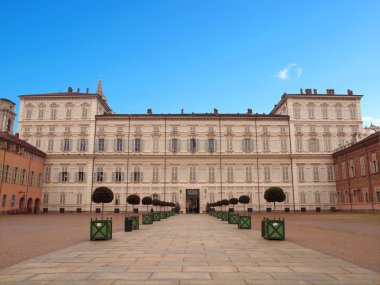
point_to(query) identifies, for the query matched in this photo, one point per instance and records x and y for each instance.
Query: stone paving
(187, 249)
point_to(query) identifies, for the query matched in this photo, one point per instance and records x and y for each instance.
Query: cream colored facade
(219, 155)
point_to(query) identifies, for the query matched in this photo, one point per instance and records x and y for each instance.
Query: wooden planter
(147, 219)
(135, 222)
(244, 222)
(233, 218)
(156, 216)
(273, 229)
(224, 216)
(100, 229)
(219, 214)
(163, 215)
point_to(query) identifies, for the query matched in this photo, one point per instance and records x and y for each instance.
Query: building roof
(17, 141)
(372, 139)
(5, 99)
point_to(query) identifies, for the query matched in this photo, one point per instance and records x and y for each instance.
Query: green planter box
(156, 216)
(219, 215)
(273, 229)
(101, 229)
(233, 219)
(224, 216)
(163, 215)
(244, 222)
(147, 219)
(135, 222)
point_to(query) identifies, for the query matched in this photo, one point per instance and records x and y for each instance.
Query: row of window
(373, 167)
(16, 175)
(358, 196)
(327, 129)
(137, 176)
(52, 113)
(325, 111)
(313, 144)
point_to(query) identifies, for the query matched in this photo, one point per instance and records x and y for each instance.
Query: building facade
(358, 175)
(189, 158)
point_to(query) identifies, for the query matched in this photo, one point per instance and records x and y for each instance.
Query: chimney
(88, 90)
(315, 92)
(149, 112)
(301, 91)
(182, 112)
(249, 111)
(350, 92)
(69, 90)
(215, 111)
(308, 91)
(78, 90)
(17, 135)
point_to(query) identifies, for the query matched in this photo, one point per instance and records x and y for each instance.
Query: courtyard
(320, 248)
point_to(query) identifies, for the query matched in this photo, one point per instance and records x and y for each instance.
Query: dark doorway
(192, 201)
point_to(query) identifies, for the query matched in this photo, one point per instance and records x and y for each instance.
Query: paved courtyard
(187, 249)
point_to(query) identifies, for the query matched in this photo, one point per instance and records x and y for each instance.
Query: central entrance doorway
(192, 201)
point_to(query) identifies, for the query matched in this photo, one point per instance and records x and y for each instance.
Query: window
(100, 175)
(282, 129)
(211, 174)
(40, 114)
(354, 129)
(23, 177)
(297, 112)
(338, 113)
(68, 113)
(327, 144)
(377, 193)
(299, 144)
(31, 178)
(247, 129)
(229, 144)
(13, 199)
(312, 129)
(229, 129)
(344, 173)
(83, 129)
(174, 145)
(330, 173)
(265, 129)
(340, 129)
(212, 198)
(62, 199)
(137, 129)
(155, 174)
(341, 142)
(81, 174)
(248, 173)
(101, 145)
(211, 145)
(45, 199)
(119, 146)
(47, 174)
(284, 144)
(326, 129)
(247, 145)
(266, 145)
(353, 113)
(137, 175)
(314, 145)
(286, 198)
(174, 197)
(230, 174)
(317, 197)
(285, 173)
(210, 129)
(374, 164)
(117, 199)
(174, 173)
(66, 145)
(118, 175)
(15, 175)
(315, 173)
(50, 145)
(351, 169)
(155, 144)
(362, 166)
(325, 113)
(79, 198)
(39, 180)
(193, 174)
(64, 175)
(38, 143)
(53, 113)
(301, 173)
(193, 145)
(7, 174)
(332, 197)
(156, 128)
(82, 144)
(3, 200)
(266, 173)
(310, 112)
(29, 113)
(137, 145)
(84, 112)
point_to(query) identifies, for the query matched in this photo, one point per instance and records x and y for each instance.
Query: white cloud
(369, 119)
(284, 73)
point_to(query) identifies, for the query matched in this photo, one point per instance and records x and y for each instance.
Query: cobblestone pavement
(187, 249)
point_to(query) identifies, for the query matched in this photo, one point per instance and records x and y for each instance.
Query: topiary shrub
(225, 203)
(274, 194)
(102, 195)
(219, 203)
(156, 202)
(133, 200)
(147, 201)
(244, 199)
(233, 202)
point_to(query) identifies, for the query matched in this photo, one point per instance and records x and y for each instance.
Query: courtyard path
(187, 249)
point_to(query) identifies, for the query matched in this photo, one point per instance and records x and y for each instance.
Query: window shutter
(86, 144)
(62, 144)
(133, 145)
(197, 147)
(122, 177)
(113, 176)
(76, 176)
(68, 177)
(215, 145)
(188, 145)
(178, 145)
(132, 177)
(104, 176)
(317, 142)
(96, 144)
(78, 144)
(206, 145)
(105, 144)
(141, 177)
(141, 145)
(94, 176)
(115, 145)
(60, 177)
(243, 146)
(170, 145)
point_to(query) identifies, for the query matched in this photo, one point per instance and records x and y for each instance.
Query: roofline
(375, 137)
(5, 99)
(16, 140)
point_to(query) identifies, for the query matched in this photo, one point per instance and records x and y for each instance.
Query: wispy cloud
(284, 73)
(370, 120)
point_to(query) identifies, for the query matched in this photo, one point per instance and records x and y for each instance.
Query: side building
(189, 158)
(358, 175)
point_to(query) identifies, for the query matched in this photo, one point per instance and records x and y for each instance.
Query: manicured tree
(244, 199)
(225, 203)
(133, 199)
(147, 201)
(208, 207)
(219, 203)
(156, 203)
(177, 208)
(102, 195)
(233, 202)
(274, 194)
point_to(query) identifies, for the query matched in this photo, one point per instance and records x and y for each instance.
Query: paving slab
(185, 250)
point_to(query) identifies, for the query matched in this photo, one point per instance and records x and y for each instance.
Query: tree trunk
(102, 210)
(274, 211)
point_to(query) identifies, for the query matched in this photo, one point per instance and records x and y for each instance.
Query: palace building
(188, 158)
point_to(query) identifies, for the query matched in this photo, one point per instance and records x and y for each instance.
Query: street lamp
(180, 193)
(205, 192)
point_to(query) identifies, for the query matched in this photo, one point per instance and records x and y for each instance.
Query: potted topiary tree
(273, 229)
(225, 203)
(156, 214)
(245, 220)
(134, 199)
(163, 213)
(147, 218)
(220, 213)
(233, 217)
(101, 229)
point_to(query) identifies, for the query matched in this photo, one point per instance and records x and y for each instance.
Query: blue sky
(195, 55)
